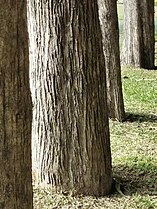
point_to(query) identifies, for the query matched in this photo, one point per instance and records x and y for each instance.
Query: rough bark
(15, 108)
(109, 26)
(139, 41)
(71, 148)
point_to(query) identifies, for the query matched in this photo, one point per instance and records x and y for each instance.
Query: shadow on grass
(132, 117)
(134, 179)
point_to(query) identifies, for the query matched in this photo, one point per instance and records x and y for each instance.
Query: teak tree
(109, 26)
(139, 41)
(15, 108)
(71, 146)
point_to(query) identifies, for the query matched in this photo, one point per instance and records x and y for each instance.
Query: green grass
(134, 153)
(120, 11)
(139, 98)
(134, 142)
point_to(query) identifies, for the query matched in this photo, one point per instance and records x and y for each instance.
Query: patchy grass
(120, 11)
(134, 153)
(140, 91)
(134, 142)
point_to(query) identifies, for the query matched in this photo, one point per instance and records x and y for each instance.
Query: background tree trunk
(109, 26)
(139, 40)
(15, 108)
(71, 148)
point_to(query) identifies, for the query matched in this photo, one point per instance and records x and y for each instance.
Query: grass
(134, 142)
(134, 154)
(120, 11)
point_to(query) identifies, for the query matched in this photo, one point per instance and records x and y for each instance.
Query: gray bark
(71, 147)
(15, 108)
(109, 26)
(139, 41)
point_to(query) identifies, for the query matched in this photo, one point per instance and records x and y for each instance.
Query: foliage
(134, 155)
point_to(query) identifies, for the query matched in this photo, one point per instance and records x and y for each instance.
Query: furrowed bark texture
(15, 108)
(109, 26)
(139, 41)
(71, 148)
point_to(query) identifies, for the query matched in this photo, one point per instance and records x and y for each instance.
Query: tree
(71, 147)
(15, 108)
(109, 26)
(138, 47)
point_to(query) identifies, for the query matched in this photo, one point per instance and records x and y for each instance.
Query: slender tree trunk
(109, 26)
(15, 108)
(139, 41)
(71, 148)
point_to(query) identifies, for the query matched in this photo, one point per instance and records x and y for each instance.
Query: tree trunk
(109, 26)
(139, 41)
(15, 108)
(71, 148)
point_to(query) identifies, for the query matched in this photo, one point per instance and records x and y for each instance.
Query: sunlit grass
(140, 90)
(134, 142)
(120, 11)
